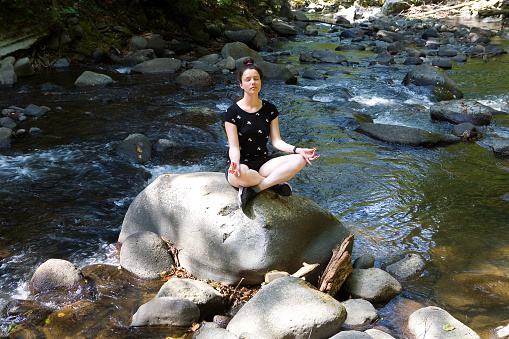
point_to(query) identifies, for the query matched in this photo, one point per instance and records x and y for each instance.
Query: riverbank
(345, 196)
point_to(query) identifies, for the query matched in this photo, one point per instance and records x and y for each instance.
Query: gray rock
(5, 137)
(459, 58)
(300, 16)
(206, 297)
(443, 63)
(260, 40)
(353, 47)
(284, 29)
(465, 130)
(166, 311)
(210, 59)
(436, 323)
(156, 43)
(311, 73)
(158, 66)
(146, 255)
(388, 36)
(500, 147)
(214, 333)
(394, 7)
(360, 313)
(136, 147)
(35, 130)
(443, 87)
(18, 38)
(36, 111)
(7, 122)
(372, 284)
(327, 55)
(410, 266)
(402, 135)
(238, 50)
(351, 335)
(139, 57)
(56, 274)
(445, 51)
(384, 58)
(289, 307)
(364, 261)
(61, 63)
(377, 334)
(23, 67)
(245, 36)
(137, 42)
(89, 78)
(8, 76)
(457, 112)
(413, 61)
(198, 213)
(195, 78)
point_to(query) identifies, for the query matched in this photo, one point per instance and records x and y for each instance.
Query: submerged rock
(198, 213)
(289, 307)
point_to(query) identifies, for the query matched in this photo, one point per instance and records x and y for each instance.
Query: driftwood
(493, 12)
(339, 267)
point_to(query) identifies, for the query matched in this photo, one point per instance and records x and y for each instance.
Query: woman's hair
(248, 63)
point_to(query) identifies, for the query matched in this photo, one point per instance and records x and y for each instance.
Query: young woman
(249, 123)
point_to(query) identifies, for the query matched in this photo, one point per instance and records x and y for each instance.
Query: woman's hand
(234, 169)
(308, 153)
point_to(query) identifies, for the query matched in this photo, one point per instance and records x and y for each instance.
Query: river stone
(56, 274)
(136, 147)
(413, 61)
(445, 51)
(195, 78)
(500, 147)
(275, 71)
(158, 66)
(214, 333)
(198, 213)
(166, 311)
(443, 63)
(458, 112)
(465, 130)
(156, 43)
(145, 255)
(289, 307)
(351, 335)
(327, 55)
(245, 35)
(36, 111)
(372, 284)
(410, 266)
(394, 7)
(403, 135)
(443, 87)
(430, 33)
(7, 75)
(377, 334)
(23, 67)
(364, 261)
(239, 50)
(436, 323)
(7, 122)
(206, 297)
(137, 43)
(89, 78)
(284, 29)
(360, 313)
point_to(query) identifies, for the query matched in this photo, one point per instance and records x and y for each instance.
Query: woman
(249, 123)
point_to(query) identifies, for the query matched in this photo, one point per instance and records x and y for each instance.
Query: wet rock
(139, 57)
(55, 274)
(459, 58)
(403, 135)
(36, 111)
(214, 333)
(352, 33)
(443, 63)
(377, 334)
(442, 86)
(137, 42)
(245, 36)
(207, 298)
(135, 147)
(26, 312)
(283, 29)
(8, 76)
(457, 112)
(372, 284)
(410, 266)
(201, 208)
(89, 78)
(436, 323)
(413, 61)
(430, 33)
(156, 43)
(308, 312)
(23, 67)
(62, 63)
(158, 66)
(364, 261)
(146, 255)
(466, 131)
(384, 58)
(166, 311)
(360, 313)
(444, 51)
(351, 335)
(194, 78)
(7, 122)
(35, 130)
(238, 50)
(394, 7)
(328, 56)
(311, 73)
(353, 47)
(388, 36)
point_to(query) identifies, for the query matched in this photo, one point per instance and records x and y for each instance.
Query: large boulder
(458, 112)
(158, 66)
(289, 307)
(441, 85)
(194, 78)
(198, 213)
(403, 135)
(436, 323)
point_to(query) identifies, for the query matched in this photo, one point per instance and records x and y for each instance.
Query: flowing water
(64, 192)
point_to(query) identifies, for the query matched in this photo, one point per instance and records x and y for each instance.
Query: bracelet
(294, 149)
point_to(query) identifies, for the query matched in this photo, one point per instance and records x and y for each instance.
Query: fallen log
(339, 267)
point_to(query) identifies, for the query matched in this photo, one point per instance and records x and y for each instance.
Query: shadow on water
(65, 191)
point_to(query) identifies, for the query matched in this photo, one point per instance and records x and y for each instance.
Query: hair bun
(248, 61)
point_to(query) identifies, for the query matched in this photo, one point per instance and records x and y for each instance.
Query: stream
(64, 192)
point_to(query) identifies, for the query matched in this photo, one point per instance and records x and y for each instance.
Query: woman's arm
(234, 150)
(308, 153)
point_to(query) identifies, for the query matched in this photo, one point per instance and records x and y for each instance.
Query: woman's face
(251, 81)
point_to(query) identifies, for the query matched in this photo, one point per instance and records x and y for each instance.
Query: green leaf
(448, 327)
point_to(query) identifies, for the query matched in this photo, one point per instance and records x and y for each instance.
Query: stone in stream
(436, 323)
(166, 311)
(442, 86)
(92, 79)
(352, 334)
(461, 111)
(372, 284)
(199, 214)
(289, 307)
(158, 66)
(360, 313)
(410, 266)
(135, 147)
